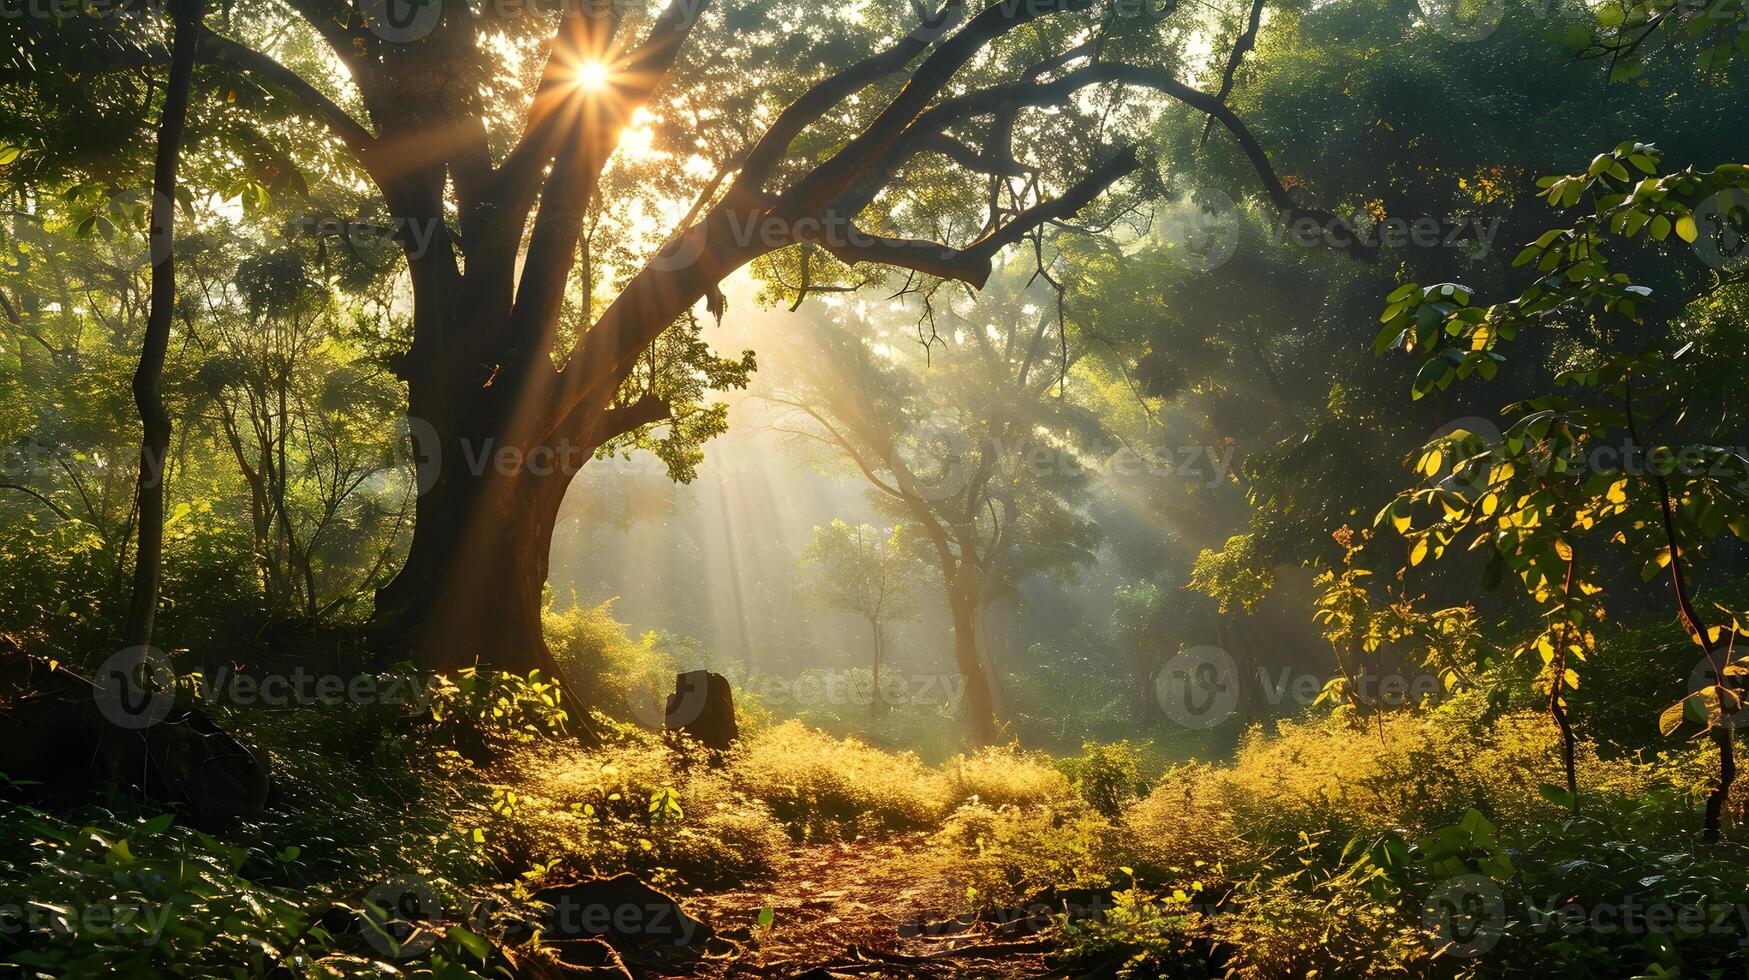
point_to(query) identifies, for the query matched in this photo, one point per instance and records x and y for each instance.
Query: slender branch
(45, 501)
(1246, 41)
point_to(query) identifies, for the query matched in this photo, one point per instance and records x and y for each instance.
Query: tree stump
(703, 706)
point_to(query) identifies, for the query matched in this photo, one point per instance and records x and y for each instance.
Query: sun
(592, 76)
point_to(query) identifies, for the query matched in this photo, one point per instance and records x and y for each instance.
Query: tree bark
(1145, 704)
(980, 701)
(148, 385)
(875, 704)
(471, 590)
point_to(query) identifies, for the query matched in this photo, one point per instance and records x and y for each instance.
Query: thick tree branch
(973, 263)
(834, 176)
(598, 120)
(226, 53)
(770, 150)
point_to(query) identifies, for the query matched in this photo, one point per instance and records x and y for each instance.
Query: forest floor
(861, 910)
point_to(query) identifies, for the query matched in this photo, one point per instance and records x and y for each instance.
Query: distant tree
(966, 439)
(857, 568)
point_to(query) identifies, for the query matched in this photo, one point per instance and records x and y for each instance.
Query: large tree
(983, 128)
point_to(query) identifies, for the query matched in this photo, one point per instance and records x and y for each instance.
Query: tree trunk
(980, 702)
(874, 699)
(149, 376)
(471, 591)
(1146, 704)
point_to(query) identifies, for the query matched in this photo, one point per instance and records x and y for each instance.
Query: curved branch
(834, 176)
(226, 53)
(973, 263)
(769, 151)
(45, 501)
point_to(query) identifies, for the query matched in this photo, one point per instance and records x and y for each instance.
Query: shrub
(824, 787)
(636, 805)
(1008, 855)
(1107, 776)
(1005, 775)
(624, 678)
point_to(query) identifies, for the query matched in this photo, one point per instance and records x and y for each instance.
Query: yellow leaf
(1419, 552)
(1685, 228)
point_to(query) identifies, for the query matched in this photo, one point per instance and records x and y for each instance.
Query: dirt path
(859, 910)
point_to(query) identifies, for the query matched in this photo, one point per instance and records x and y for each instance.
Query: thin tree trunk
(149, 376)
(874, 702)
(1722, 732)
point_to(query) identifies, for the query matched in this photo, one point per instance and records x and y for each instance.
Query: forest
(1089, 489)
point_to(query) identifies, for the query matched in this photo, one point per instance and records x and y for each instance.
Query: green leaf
(766, 917)
(481, 949)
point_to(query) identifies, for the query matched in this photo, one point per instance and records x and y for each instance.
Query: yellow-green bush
(828, 787)
(1407, 770)
(636, 805)
(1005, 775)
(1009, 854)
(624, 678)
